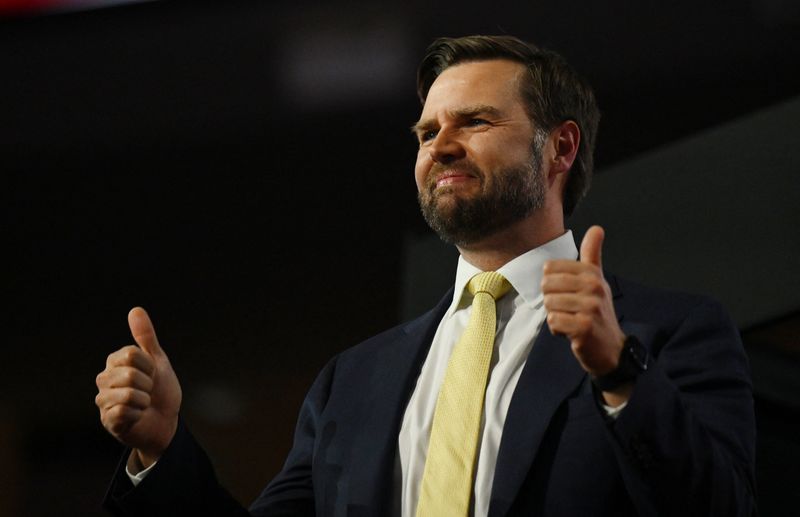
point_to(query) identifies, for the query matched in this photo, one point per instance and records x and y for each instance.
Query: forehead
(493, 83)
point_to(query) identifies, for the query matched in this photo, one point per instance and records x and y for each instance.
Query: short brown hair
(553, 93)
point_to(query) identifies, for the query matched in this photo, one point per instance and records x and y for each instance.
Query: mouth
(452, 177)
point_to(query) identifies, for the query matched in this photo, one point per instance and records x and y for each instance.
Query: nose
(446, 147)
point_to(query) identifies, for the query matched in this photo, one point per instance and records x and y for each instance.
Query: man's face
(479, 164)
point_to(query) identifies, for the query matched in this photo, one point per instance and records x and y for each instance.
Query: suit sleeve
(686, 439)
(183, 481)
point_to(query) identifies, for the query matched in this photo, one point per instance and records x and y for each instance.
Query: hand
(579, 305)
(139, 395)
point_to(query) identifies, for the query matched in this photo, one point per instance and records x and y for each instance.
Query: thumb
(592, 246)
(143, 331)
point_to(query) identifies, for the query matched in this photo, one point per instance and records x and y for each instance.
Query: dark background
(244, 171)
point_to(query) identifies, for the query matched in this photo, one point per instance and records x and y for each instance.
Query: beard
(508, 196)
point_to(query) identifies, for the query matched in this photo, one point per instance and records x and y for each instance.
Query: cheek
(421, 170)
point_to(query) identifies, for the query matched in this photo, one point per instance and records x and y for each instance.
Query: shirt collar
(524, 273)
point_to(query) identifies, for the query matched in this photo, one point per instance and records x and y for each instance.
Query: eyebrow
(460, 113)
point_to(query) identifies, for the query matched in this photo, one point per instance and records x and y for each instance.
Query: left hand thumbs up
(579, 305)
(592, 246)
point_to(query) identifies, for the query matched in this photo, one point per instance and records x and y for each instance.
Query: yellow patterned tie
(447, 482)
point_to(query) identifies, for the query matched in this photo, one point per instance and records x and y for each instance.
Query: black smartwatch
(633, 360)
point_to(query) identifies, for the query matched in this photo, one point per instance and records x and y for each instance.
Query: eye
(474, 122)
(425, 136)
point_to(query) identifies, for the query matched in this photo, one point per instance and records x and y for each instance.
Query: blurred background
(233, 167)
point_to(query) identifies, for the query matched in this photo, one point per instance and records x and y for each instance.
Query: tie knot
(490, 282)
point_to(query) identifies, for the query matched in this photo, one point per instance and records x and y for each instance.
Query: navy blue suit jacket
(684, 445)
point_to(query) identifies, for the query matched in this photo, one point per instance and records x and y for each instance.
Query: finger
(108, 398)
(570, 267)
(143, 332)
(569, 324)
(118, 419)
(127, 377)
(561, 283)
(132, 356)
(573, 303)
(564, 302)
(592, 246)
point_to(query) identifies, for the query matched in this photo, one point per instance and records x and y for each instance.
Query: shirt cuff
(138, 477)
(611, 412)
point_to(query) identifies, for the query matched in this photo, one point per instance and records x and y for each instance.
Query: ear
(563, 147)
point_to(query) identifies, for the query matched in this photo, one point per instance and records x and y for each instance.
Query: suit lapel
(393, 380)
(550, 375)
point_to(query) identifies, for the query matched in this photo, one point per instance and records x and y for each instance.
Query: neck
(496, 250)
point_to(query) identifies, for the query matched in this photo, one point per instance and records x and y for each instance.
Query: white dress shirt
(520, 315)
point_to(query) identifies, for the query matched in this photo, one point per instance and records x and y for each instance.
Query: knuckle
(128, 396)
(118, 418)
(556, 323)
(117, 426)
(584, 323)
(129, 376)
(128, 355)
(588, 280)
(117, 413)
(110, 416)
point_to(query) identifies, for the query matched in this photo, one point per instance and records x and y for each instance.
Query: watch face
(637, 352)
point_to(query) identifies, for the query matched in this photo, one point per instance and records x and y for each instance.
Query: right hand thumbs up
(139, 395)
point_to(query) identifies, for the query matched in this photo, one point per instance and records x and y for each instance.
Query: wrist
(618, 396)
(134, 464)
(156, 447)
(633, 360)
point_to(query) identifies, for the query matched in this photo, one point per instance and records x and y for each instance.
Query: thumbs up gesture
(139, 395)
(579, 305)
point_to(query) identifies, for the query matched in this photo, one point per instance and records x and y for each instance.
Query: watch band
(633, 360)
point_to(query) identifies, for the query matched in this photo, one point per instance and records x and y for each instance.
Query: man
(593, 396)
